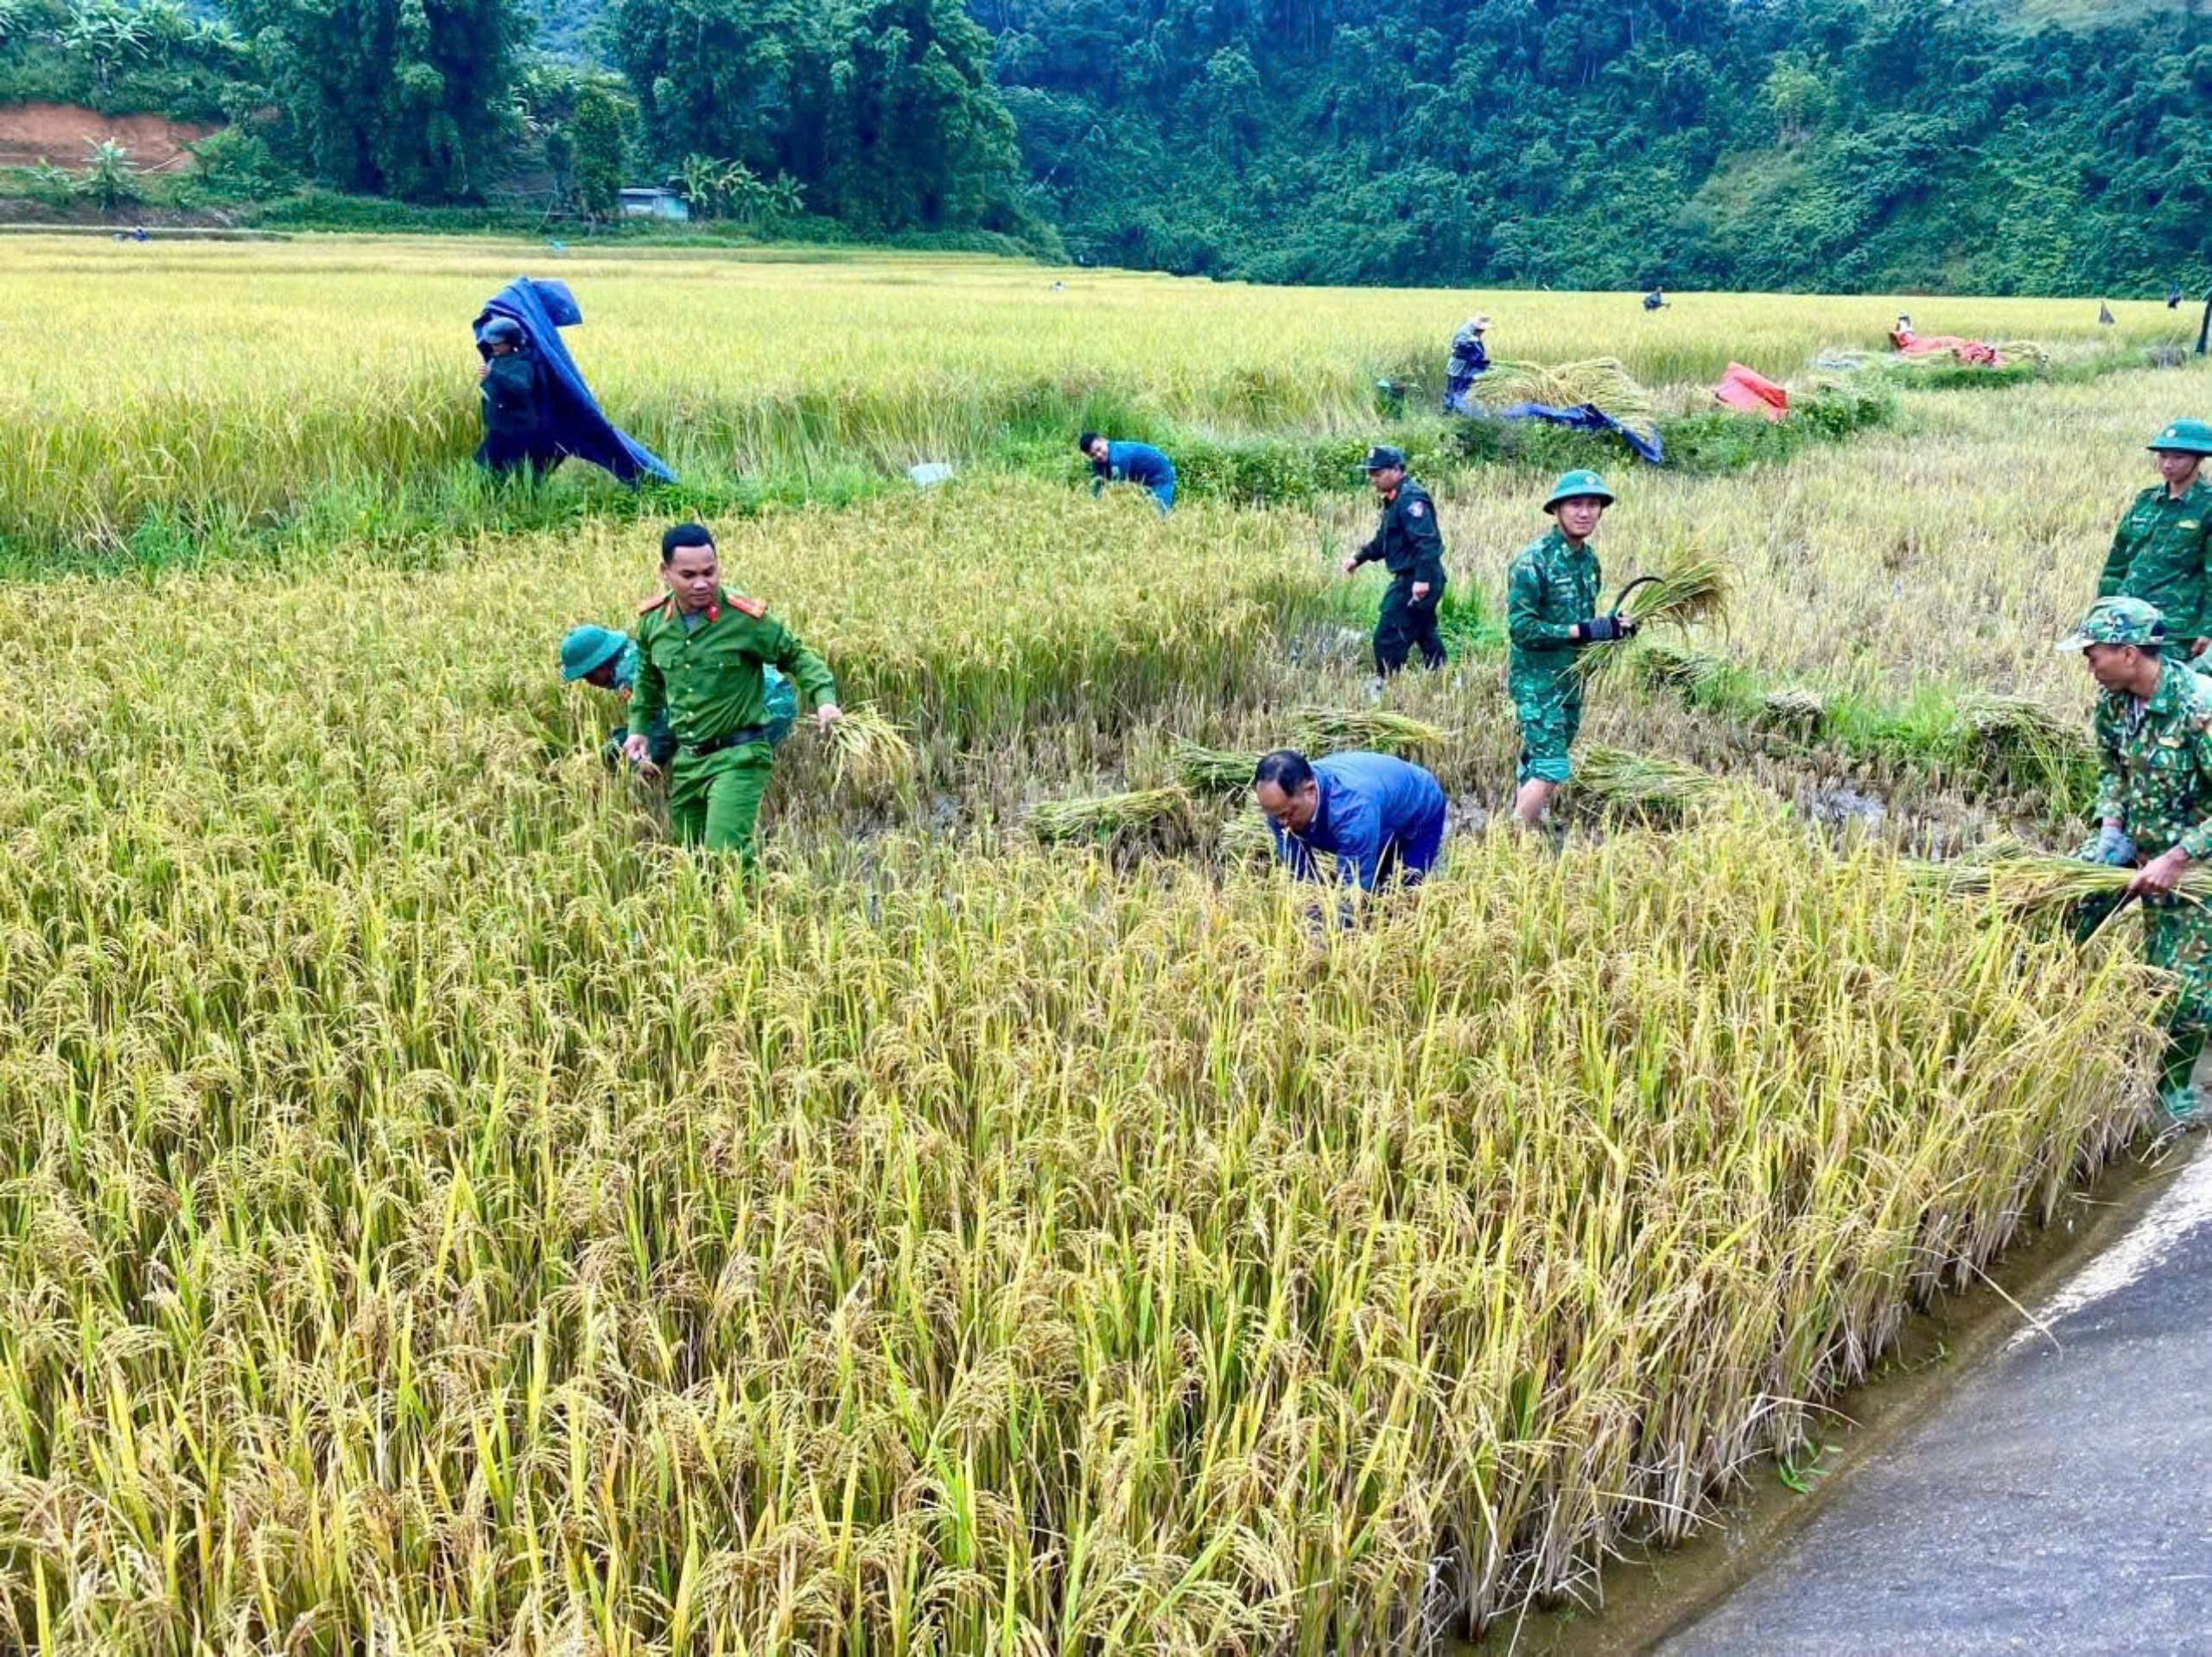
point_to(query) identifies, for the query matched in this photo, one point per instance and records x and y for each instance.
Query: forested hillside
(1894, 144)
(1898, 145)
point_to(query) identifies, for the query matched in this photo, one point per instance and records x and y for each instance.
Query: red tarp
(1967, 351)
(1749, 392)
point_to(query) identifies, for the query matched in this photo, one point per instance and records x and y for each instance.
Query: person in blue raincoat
(1383, 819)
(1137, 463)
(568, 420)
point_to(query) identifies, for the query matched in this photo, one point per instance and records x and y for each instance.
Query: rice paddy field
(438, 1216)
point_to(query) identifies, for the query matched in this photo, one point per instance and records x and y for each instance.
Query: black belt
(736, 739)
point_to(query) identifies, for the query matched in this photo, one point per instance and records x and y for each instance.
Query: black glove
(1598, 630)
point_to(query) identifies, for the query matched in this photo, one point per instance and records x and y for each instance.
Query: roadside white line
(2186, 1205)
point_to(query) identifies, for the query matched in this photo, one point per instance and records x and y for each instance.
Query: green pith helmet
(588, 648)
(2184, 437)
(2118, 621)
(1579, 483)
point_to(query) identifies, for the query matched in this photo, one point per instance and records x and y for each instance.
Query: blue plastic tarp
(1588, 416)
(579, 426)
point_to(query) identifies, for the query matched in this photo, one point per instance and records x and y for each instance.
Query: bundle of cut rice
(1666, 666)
(1797, 707)
(2025, 882)
(1643, 782)
(1604, 381)
(1103, 815)
(873, 754)
(1213, 770)
(1331, 729)
(2009, 726)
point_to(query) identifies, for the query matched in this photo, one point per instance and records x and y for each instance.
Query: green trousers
(715, 802)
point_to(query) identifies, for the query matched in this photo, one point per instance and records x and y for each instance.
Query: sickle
(1621, 601)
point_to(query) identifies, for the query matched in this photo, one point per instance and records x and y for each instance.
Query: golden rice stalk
(1213, 770)
(1336, 729)
(1102, 816)
(1688, 589)
(873, 754)
(2012, 351)
(1245, 838)
(2025, 882)
(1643, 781)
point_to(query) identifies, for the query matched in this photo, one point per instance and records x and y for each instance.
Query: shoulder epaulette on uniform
(752, 607)
(652, 603)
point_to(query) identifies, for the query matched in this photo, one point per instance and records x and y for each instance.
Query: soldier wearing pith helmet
(704, 655)
(1410, 546)
(2162, 549)
(2154, 810)
(1551, 616)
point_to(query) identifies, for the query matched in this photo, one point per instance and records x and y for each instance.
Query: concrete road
(2060, 1501)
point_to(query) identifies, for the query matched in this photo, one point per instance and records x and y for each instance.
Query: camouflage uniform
(2156, 783)
(1551, 586)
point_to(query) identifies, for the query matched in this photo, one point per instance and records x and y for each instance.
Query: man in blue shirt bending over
(1382, 818)
(1137, 463)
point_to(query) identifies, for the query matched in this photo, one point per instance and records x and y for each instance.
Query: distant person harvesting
(1551, 614)
(1407, 544)
(2162, 549)
(703, 655)
(1137, 463)
(1381, 818)
(2154, 810)
(1469, 362)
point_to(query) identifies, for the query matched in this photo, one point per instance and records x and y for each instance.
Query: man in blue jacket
(1137, 463)
(1381, 818)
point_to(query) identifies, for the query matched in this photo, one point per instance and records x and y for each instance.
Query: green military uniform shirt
(1408, 541)
(2159, 553)
(1550, 585)
(2156, 783)
(710, 680)
(2156, 763)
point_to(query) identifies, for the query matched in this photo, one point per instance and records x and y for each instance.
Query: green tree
(917, 136)
(411, 99)
(597, 137)
(109, 178)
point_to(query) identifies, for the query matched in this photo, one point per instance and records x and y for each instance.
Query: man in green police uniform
(703, 653)
(2154, 809)
(607, 659)
(1411, 547)
(2160, 552)
(1551, 614)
